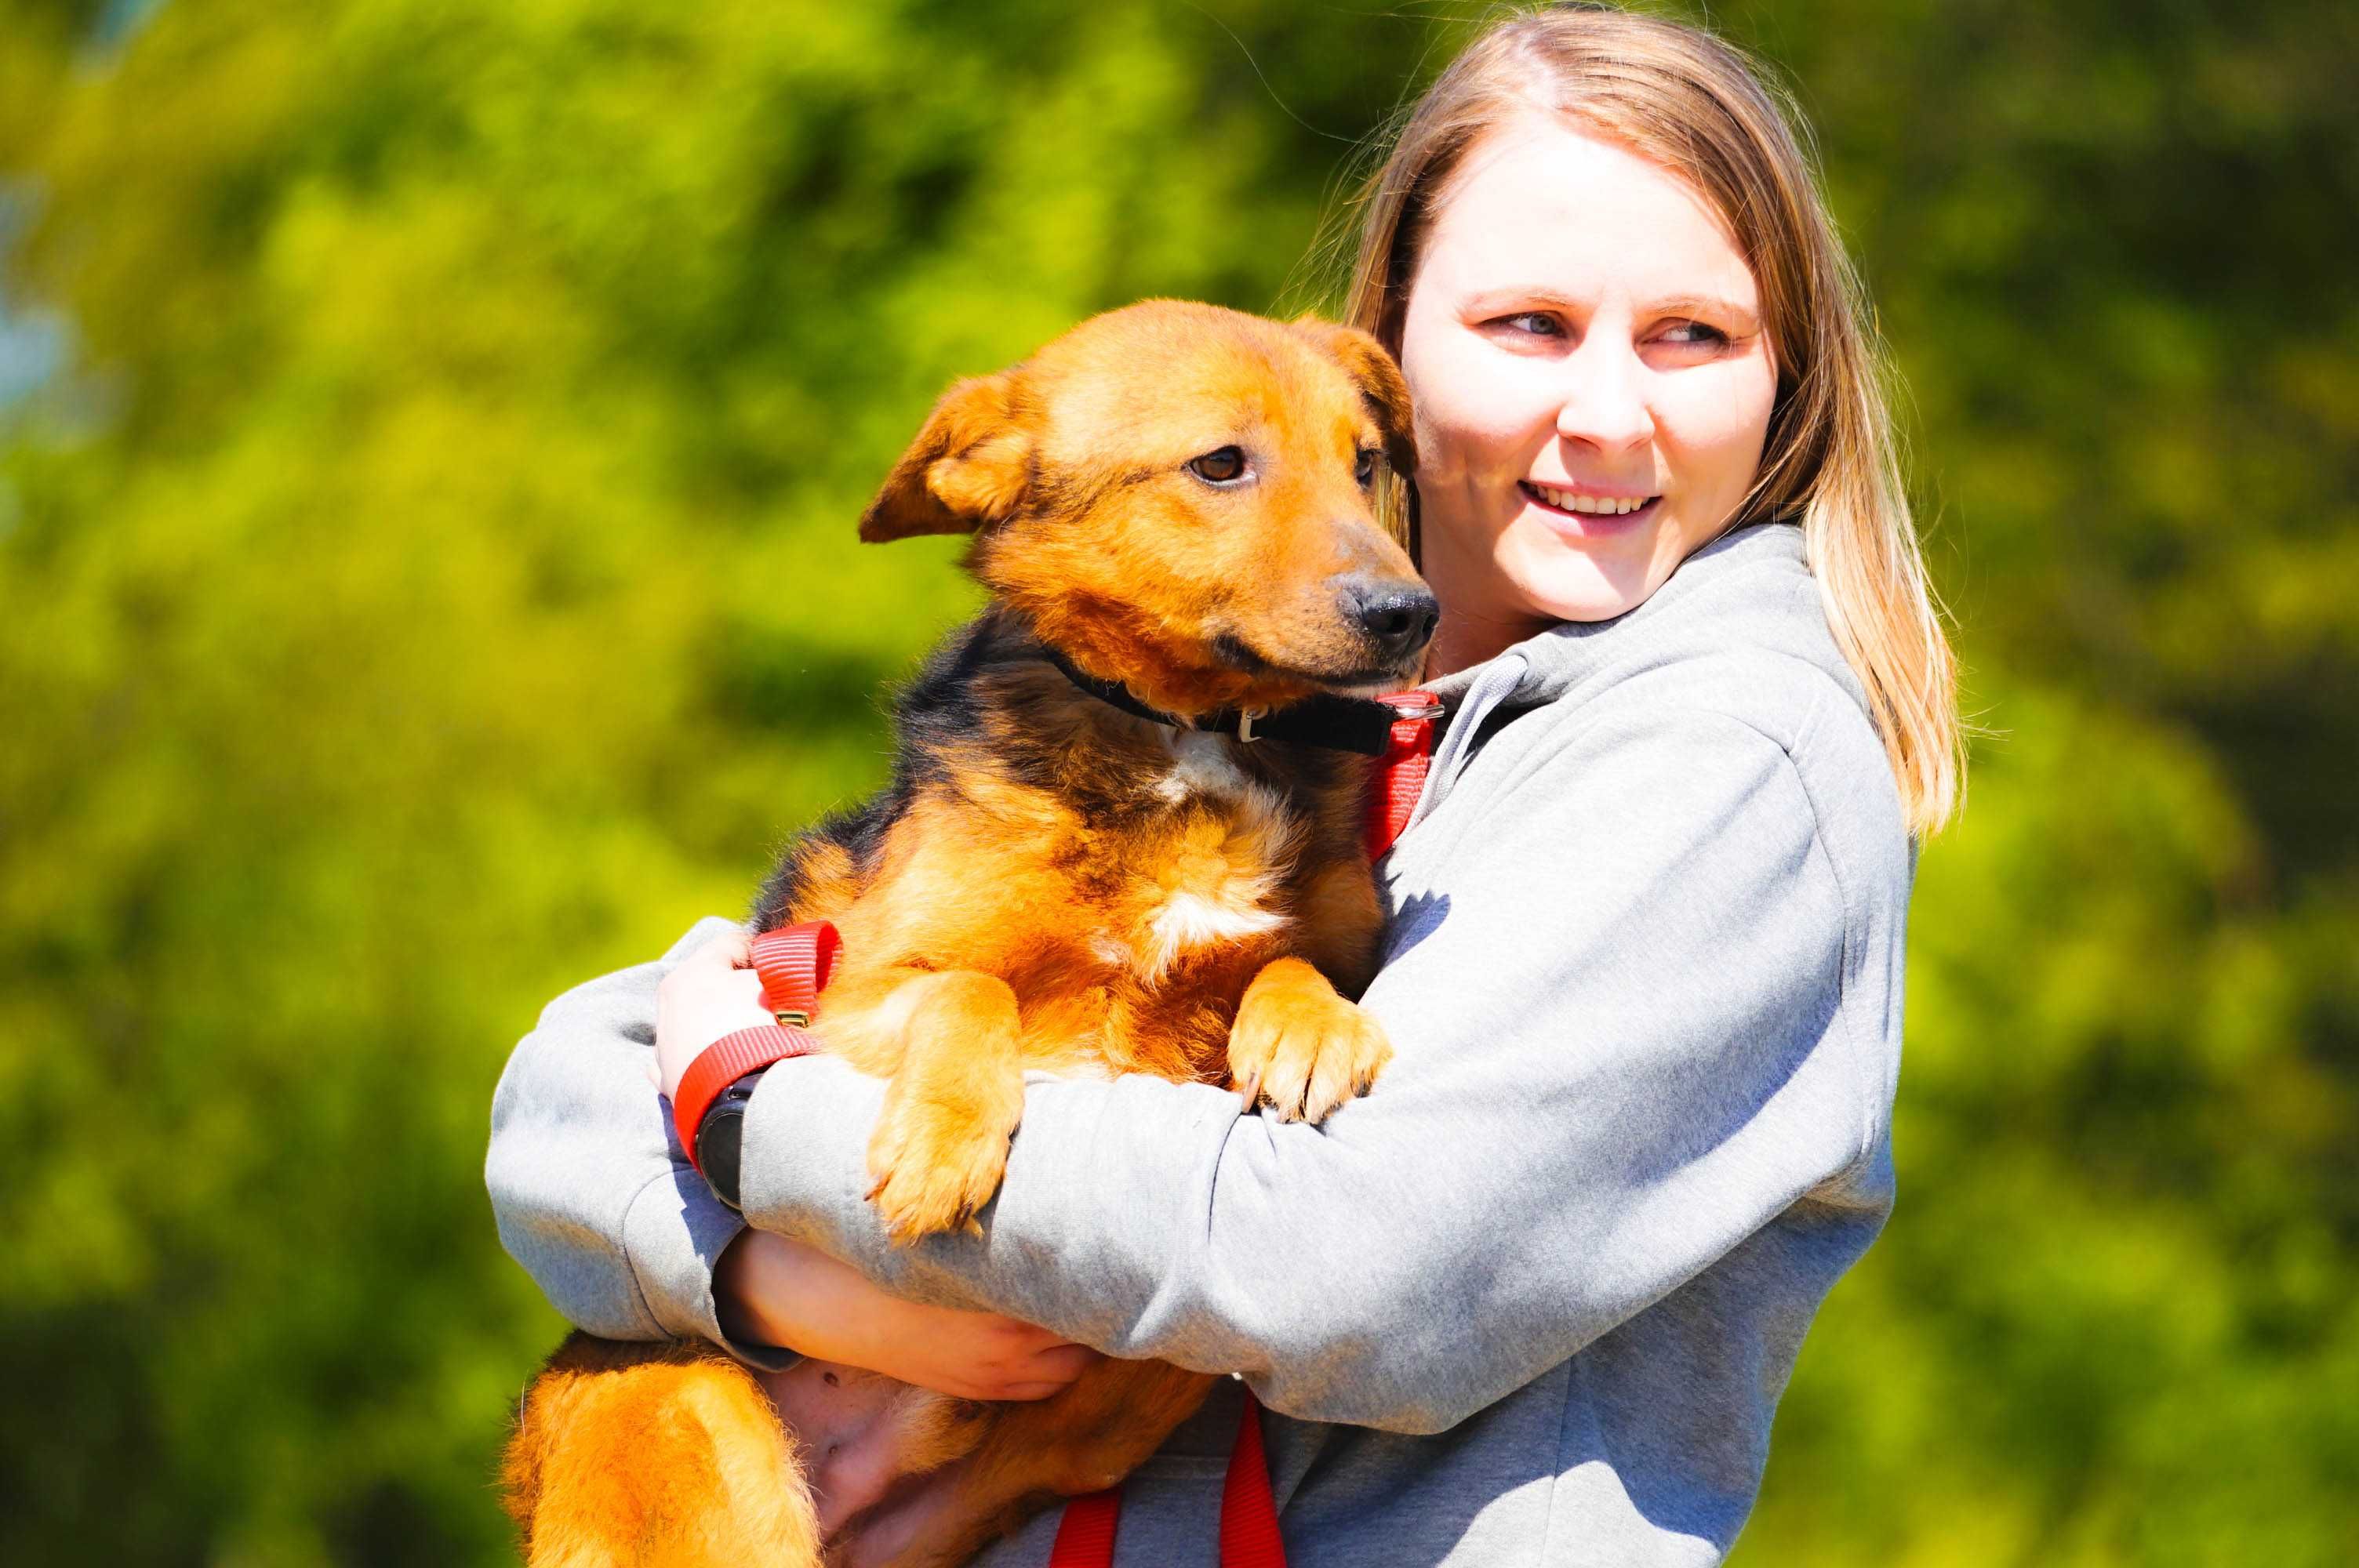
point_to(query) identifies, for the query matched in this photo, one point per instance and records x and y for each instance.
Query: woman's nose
(1604, 402)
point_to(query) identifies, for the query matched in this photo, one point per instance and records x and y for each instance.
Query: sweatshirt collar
(1559, 658)
(1544, 667)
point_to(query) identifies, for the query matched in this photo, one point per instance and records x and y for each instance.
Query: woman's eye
(1365, 470)
(1695, 334)
(1538, 323)
(1224, 465)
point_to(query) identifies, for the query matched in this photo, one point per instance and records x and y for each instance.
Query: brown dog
(1172, 509)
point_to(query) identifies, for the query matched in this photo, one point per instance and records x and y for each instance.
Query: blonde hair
(1686, 100)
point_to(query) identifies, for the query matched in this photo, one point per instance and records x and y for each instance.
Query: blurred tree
(431, 583)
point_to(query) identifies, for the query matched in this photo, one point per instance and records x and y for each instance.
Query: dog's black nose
(1399, 617)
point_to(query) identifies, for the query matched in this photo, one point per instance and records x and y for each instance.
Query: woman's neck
(1465, 638)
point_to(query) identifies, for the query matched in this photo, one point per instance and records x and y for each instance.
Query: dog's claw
(1299, 1047)
(932, 1180)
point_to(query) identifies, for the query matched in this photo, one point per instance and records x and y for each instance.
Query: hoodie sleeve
(1620, 1052)
(588, 1182)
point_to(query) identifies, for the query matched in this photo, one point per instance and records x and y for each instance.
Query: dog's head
(1181, 498)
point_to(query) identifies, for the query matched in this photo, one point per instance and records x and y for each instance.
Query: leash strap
(1249, 1537)
(793, 962)
(1086, 1535)
(1400, 776)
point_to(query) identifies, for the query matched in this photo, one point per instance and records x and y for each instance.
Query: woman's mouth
(1588, 514)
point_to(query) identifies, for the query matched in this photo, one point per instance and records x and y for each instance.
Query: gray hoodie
(1533, 1299)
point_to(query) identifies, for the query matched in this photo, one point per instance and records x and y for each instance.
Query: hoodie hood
(1741, 591)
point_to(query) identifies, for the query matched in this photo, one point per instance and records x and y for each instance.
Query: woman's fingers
(1043, 1365)
(708, 994)
(772, 1291)
(732, 951)
(1060, 1365)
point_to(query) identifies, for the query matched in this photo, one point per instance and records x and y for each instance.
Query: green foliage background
(428, 581)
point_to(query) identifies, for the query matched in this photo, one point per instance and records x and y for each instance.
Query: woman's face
(1593, 384)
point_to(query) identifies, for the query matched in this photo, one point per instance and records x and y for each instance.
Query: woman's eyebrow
(1528, 295)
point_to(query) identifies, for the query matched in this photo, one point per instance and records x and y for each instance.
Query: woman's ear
(1381, 384)
(968, 466)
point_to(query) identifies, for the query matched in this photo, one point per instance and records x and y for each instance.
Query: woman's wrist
(753, 1275)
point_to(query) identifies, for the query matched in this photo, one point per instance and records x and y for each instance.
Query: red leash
(1249, 1536)
(793, 962)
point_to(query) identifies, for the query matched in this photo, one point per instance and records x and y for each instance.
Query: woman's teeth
(1605, 506)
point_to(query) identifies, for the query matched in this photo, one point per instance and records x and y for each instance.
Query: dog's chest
(1210, 866)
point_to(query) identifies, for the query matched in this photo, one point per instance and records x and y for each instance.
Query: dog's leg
(940, 1143)
(662, 1455)
(1300, 1046)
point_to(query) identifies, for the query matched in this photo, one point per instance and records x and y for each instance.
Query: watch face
(717, 1143)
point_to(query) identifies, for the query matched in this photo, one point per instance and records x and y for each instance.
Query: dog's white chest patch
(1188, 919)
(1220, 887)
(1200, 764)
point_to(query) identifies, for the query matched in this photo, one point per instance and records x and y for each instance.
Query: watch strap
(724, 1062)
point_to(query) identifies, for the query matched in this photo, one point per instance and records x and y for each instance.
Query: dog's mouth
(1364, 680)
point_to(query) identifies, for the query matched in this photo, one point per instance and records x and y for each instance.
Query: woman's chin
(1576, 577)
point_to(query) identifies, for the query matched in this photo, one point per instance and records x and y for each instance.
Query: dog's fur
(1052, 883)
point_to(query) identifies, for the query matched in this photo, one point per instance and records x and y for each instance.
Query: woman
(1535, 1297)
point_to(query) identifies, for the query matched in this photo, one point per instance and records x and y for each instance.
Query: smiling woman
(1589, 411)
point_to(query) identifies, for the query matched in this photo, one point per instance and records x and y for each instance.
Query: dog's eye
(1226, 466)
(1366, 468)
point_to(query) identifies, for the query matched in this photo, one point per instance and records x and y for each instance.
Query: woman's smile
(1586, 514)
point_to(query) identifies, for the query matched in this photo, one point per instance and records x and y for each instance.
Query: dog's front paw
(1299, 1047)
(940, 1142)
(939, 1152)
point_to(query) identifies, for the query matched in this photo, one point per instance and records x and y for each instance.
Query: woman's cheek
(1721, 417)
(1476, 418)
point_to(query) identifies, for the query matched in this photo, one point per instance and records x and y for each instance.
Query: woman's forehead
(1538, 205)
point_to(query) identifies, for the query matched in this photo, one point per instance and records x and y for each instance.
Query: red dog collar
(793, 962)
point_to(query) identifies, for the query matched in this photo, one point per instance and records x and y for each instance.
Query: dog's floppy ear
(968, 466)
(1380, 382)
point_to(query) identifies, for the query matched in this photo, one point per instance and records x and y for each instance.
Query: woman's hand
(771, 1290)
(711, 992)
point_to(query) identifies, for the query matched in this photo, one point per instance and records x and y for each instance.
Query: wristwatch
(721, 1138)
(723, 1074)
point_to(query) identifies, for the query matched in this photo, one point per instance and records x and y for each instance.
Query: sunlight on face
(1593, 383)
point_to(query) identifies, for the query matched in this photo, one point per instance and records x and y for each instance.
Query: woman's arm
(588, 1184)
(771, 1290)
(594, 1199)
(1621, 1056)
